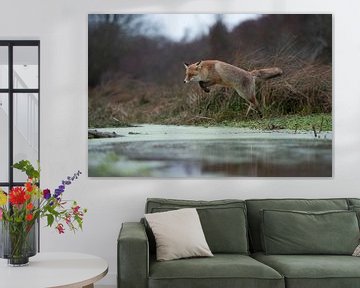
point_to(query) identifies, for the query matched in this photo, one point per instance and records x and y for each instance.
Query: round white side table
(50, 270)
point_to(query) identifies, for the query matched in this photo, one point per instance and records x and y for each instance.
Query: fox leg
(205, 85)
(250, 107)
(254, 105)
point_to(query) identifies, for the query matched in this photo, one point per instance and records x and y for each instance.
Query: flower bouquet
(21, 208)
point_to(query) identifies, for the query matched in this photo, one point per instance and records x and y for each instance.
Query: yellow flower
(3, 198)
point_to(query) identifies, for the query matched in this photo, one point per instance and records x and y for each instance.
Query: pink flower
(60, 228)
(68, 219)
(76, 210)
(1, 212)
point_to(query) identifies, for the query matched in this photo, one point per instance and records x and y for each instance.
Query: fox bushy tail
(267, 73)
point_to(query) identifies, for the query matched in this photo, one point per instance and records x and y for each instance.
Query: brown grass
(304, 88)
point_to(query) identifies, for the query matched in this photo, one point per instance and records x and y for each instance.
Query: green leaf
(50, 219)
(52, 211)
(26, 167)
(79, 221)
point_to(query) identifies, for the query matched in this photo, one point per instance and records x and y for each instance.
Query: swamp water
(191, 151)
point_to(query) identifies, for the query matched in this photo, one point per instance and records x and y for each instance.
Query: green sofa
(246, 238)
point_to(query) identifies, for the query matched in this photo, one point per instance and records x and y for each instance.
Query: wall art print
(210, 95)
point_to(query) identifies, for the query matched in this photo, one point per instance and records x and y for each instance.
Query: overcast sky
(190, 26)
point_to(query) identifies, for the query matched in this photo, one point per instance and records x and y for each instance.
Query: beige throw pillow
(178, 234)
(357, 251)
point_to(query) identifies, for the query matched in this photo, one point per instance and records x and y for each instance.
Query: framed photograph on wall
(210, 95)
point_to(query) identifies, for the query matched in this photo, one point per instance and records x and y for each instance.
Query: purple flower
(58, 192)
(46, 194)
(68, 181)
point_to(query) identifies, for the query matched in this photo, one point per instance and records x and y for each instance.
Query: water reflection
(216, 157)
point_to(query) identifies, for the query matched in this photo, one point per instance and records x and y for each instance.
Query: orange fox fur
(211, 72)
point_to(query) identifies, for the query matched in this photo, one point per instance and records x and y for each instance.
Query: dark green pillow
(299, 232)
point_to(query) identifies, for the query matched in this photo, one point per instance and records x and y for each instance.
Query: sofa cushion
(254, 216)
(178, 234)
(313, 271)
(223, 221)
(222, 270)
(297, 232)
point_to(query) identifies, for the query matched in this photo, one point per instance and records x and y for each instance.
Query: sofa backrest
(256, 205)
(354, 205)
(223, 221)
(353, 202)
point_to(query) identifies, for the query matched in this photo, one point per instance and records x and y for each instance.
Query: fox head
(192, 72)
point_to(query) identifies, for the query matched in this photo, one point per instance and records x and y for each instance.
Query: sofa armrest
(133, 256)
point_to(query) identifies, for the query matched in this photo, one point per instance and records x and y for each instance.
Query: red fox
(212, 72)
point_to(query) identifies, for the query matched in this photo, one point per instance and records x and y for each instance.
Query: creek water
(191, 151)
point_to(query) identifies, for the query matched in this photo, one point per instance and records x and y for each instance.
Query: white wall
(62, 28)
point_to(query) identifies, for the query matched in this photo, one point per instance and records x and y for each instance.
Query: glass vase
(18, 242)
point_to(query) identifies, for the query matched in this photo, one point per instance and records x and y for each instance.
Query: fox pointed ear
(198, 63)
(186, 65)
